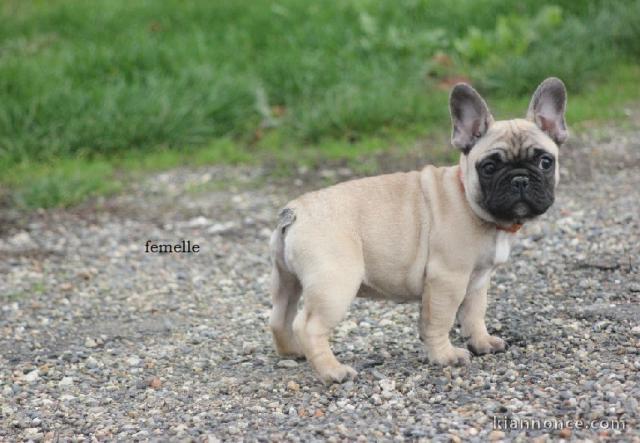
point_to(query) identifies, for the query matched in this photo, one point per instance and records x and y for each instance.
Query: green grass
(92, 88)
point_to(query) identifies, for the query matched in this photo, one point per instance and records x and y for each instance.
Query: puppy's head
(510, 168)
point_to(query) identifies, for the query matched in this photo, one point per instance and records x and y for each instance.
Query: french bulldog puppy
(432, 236)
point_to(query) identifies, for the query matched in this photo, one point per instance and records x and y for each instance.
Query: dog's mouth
(521, 209)
(517, 212)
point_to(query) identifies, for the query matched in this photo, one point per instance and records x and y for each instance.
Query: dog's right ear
(470, 117)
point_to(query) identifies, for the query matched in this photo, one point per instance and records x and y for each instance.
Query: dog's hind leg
(285, 293)
(327, 293)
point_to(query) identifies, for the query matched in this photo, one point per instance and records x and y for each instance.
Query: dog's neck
(512, 229)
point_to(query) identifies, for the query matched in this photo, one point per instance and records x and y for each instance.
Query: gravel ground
(99, 340)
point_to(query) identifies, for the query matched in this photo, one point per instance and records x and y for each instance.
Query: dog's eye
(545, 162)
(488, 168)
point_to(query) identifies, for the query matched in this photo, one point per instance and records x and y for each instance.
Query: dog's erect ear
(470, 117)
(547, 108)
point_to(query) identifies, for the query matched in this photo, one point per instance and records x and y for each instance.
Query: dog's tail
(286, 217)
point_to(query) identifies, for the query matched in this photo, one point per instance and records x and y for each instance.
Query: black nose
(520, 183)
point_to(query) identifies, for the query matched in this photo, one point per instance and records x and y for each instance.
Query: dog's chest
(502, 247)
(496, 254)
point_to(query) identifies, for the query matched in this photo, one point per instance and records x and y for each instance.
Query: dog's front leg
(471, 316)
(440, 301)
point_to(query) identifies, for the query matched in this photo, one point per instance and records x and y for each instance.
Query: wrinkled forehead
(514, 140)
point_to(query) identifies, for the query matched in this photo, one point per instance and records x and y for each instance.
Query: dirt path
(99, 338)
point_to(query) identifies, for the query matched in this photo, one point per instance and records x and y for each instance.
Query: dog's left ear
(470, 116)
(547, 108)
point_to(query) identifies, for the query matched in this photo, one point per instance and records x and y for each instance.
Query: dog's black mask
(517, 189)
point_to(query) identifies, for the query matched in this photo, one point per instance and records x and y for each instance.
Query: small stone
(634, 287)
(134, 360)
(91, 363)
(631, 405)
(233, 430)
(288, 364)
(565, 395)
(248, 347)
(22, 240)
(33, 434)
(585, 283)
(32, 376)
(66, 287)
(198, 222)
(570, 402)
(387, 384)
(496, 435)
(293, 386)
(65, 382)
(636, 330)
(154, 383)
(565, 433)
(179, 429)
(90, 343)
(221, 228)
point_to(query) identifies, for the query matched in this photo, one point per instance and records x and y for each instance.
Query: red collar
(512, 229)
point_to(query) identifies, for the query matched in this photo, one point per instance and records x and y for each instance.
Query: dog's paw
(451, 356)
(286, 345)
(289, 350)
(336, 373)
(487, 344)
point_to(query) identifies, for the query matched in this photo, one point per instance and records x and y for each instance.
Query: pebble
(32, 376)
(133, 360)
(221, 228)
(387, 384)
(66, 382)
(21, 240)
(198, 222)
(91, 363)
(288, 364)
(248, 347)
(565, 433)
(33, 434)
